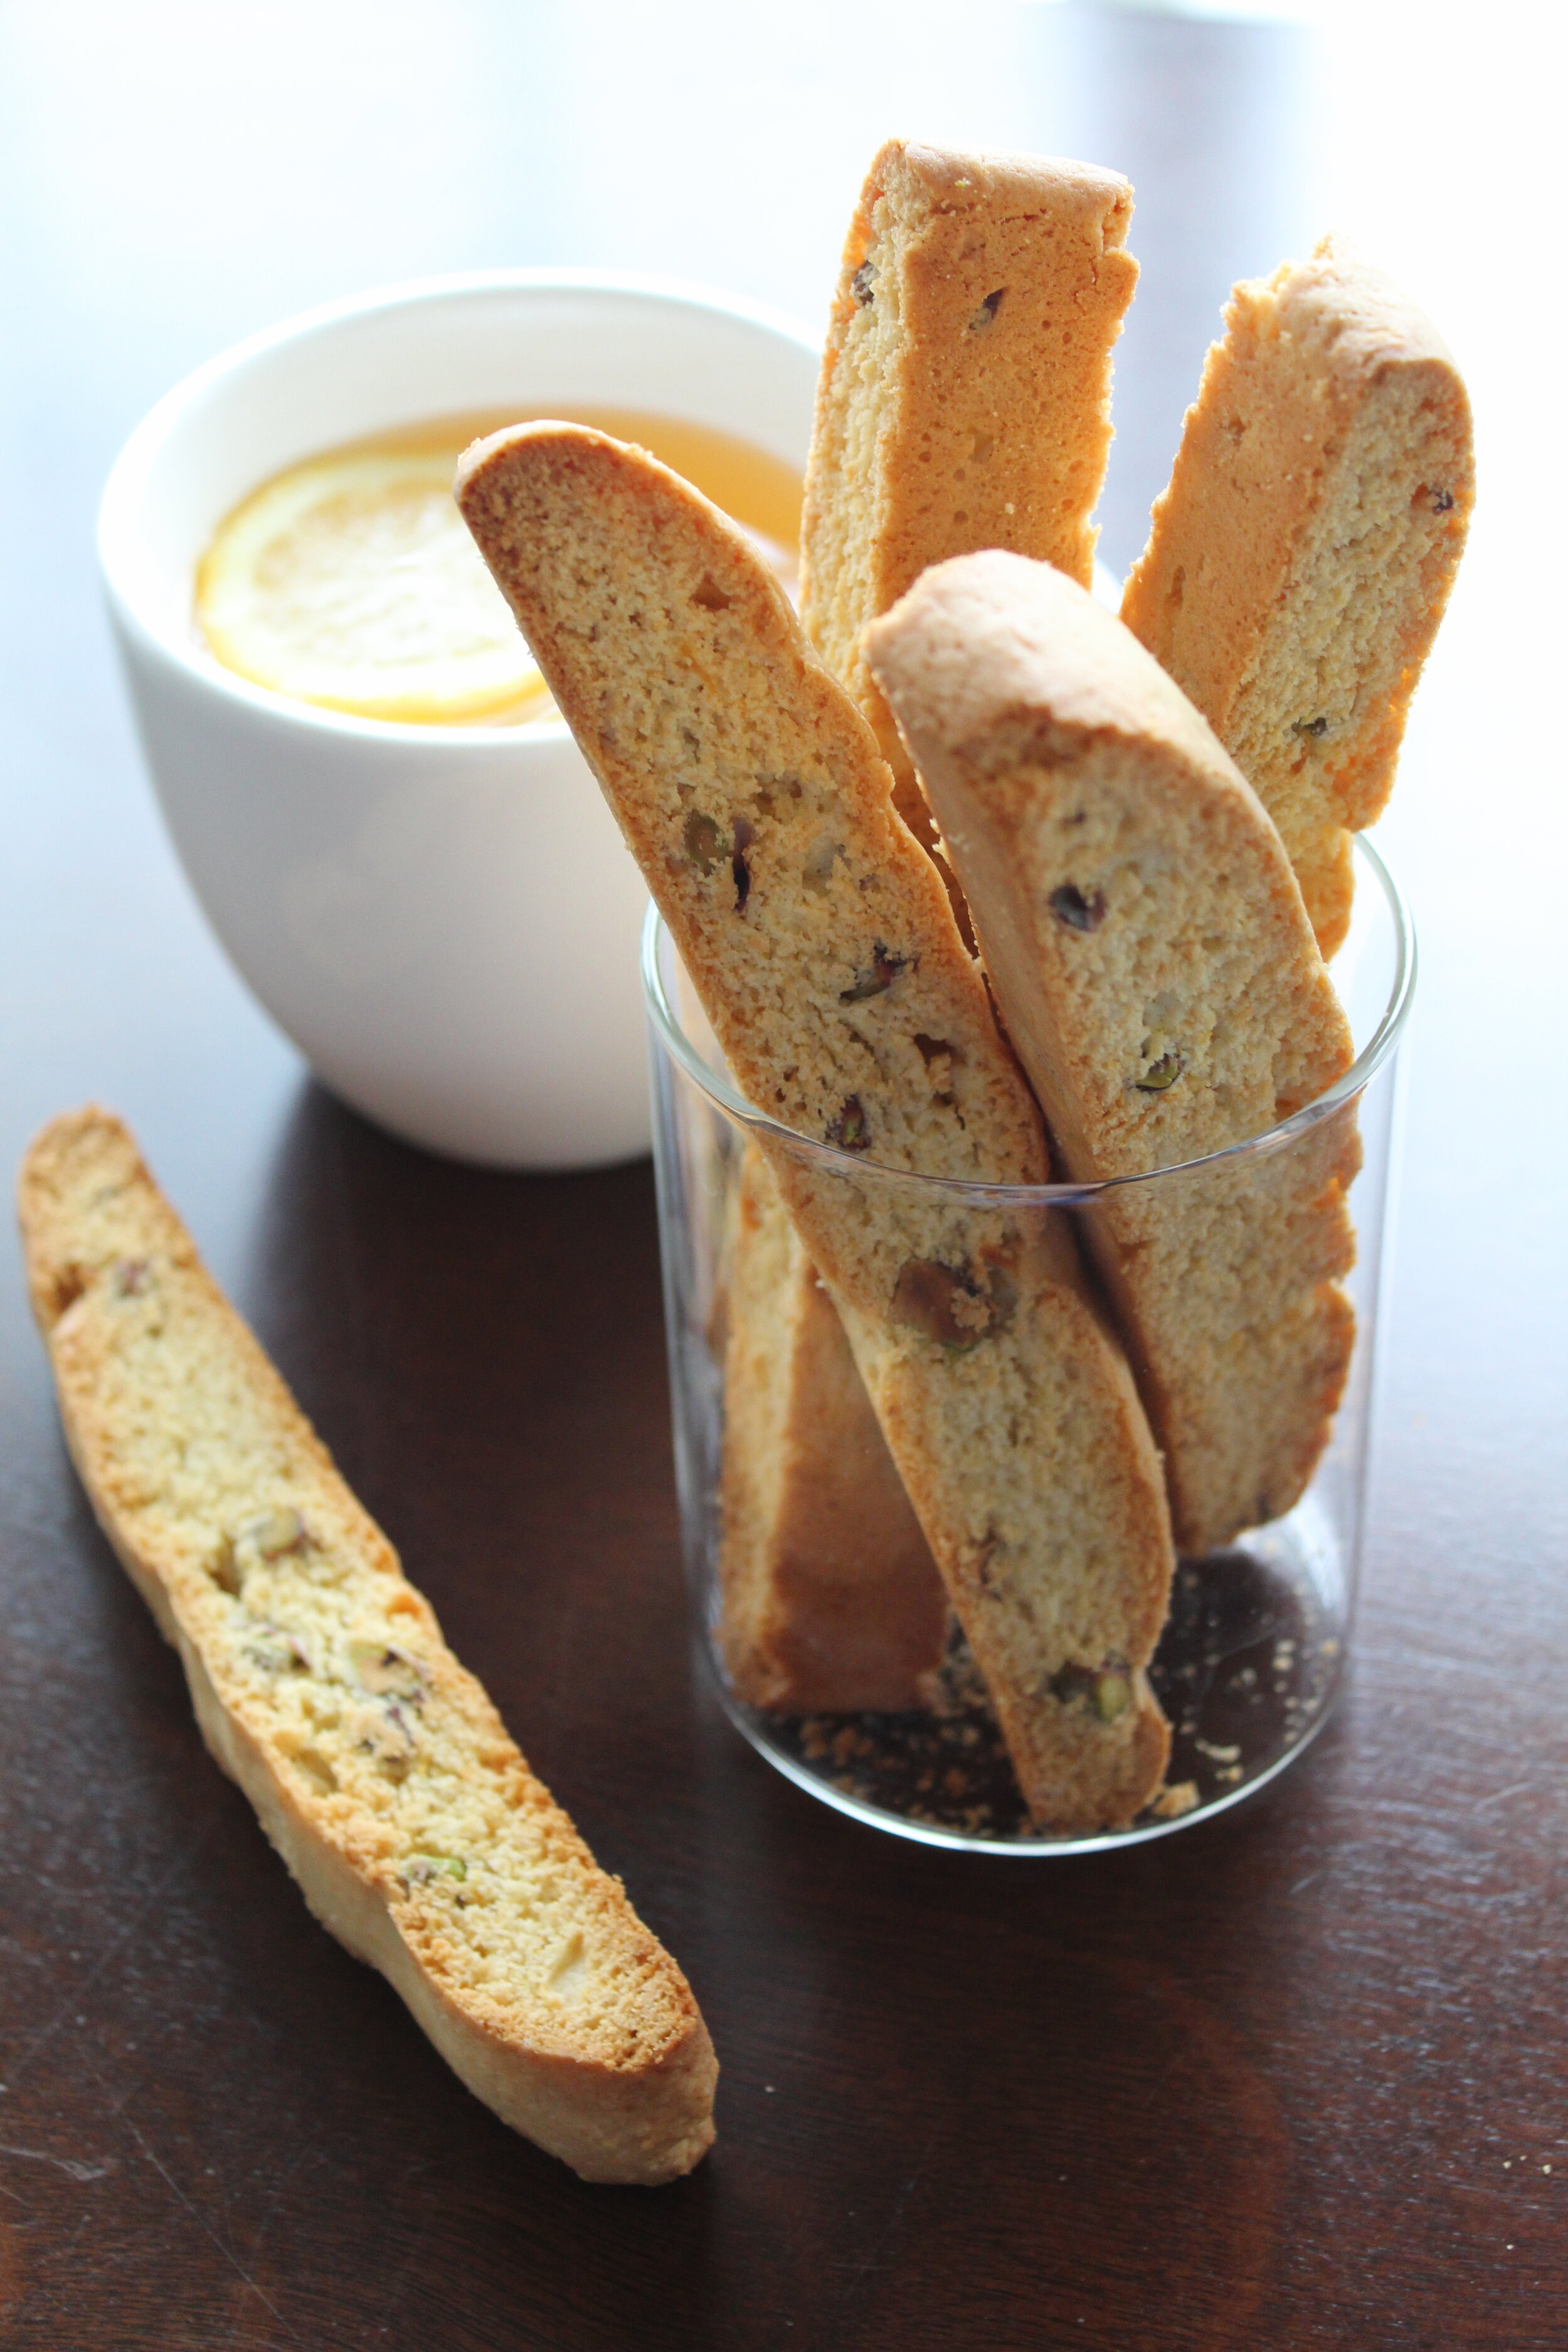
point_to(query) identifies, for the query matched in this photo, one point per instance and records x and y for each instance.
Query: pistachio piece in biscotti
(1153, 961)
(690, 685)
(1299, 562)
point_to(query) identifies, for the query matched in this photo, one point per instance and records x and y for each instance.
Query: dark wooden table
(1293, 2079)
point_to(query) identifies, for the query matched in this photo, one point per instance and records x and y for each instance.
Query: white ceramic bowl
(444, 919)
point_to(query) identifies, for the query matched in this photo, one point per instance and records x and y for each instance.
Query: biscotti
(1299, 561)
(830, 1599)
(378, 1766)
(962, 403)
(820, 940)
(964, 395)
(1152, 958)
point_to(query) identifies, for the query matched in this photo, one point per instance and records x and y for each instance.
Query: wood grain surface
(1293, 2079)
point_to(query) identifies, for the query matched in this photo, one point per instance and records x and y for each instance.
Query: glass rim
(667, 1027)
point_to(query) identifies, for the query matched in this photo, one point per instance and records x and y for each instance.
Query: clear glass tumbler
(1255, 1646)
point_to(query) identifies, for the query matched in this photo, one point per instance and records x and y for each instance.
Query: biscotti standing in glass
(1254, 1648)
(822, 947)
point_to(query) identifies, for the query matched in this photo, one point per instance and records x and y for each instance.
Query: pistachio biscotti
(831, 1600)
(378, 1768)
(1152, 958)
(962, 403)
(1299, 563)
(964, 395)
(819, 938)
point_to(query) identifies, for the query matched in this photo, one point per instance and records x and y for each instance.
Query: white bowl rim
(129, 468)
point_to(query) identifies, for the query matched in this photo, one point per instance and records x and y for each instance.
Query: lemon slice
(351, 581)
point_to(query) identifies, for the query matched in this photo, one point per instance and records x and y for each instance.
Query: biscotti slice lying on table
(1152, 958)
(831, 1600)
(964, 395)
(378, 1768)
(1299, 561)
(820, 940)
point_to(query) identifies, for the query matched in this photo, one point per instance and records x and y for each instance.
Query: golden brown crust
(821, 942)
(964, 395)
(832, 1602)
(1151, 957)
(378, 1766)
(1299, 561)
